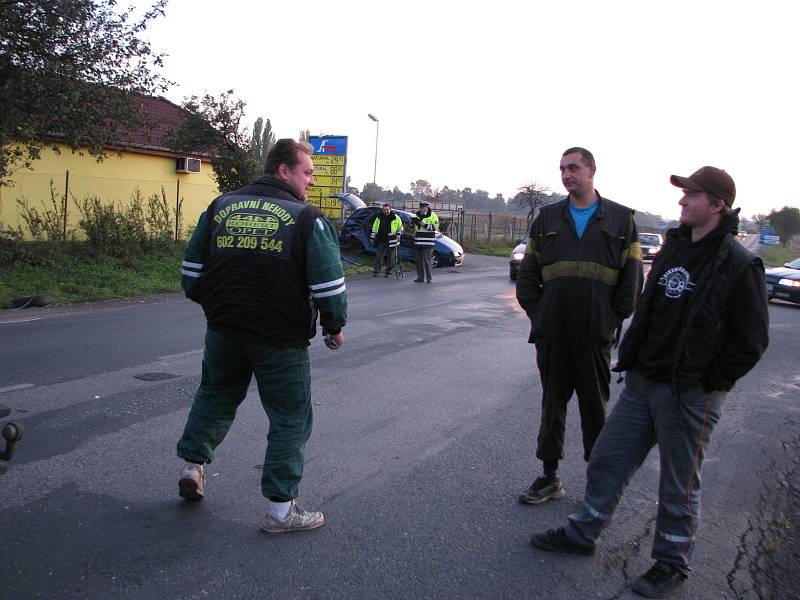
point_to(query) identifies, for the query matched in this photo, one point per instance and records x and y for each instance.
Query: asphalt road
(425, 428)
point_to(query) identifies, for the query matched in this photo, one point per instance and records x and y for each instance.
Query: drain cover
(155, 376)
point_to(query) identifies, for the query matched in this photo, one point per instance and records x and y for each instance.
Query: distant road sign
(769, 240)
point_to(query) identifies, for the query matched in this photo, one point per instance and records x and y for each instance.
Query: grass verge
(776, 256)
(498, 249)
(70, 273)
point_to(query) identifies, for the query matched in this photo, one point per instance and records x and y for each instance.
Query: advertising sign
(330, 166)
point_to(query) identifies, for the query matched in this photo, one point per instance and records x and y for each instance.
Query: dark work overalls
(577, 291)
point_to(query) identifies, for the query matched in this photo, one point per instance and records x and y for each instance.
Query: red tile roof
(163, 118)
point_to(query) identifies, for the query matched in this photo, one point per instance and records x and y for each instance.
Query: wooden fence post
(66, 195)
(177, 207)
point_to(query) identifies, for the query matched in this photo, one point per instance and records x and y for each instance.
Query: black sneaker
(556, 540)
(542, 490)
(660, 580)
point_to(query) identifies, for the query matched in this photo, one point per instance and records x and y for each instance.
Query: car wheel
(436, 260)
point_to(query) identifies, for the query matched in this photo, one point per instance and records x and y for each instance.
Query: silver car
(651, 243)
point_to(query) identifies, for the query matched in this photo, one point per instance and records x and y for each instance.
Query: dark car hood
(784, 273)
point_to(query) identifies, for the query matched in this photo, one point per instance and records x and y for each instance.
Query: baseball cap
(711, 180)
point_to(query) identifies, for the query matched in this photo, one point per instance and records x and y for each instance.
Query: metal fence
(61, 194)
(486, 227)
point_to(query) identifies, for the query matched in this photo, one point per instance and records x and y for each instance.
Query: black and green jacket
(594, 280)
(263, 264)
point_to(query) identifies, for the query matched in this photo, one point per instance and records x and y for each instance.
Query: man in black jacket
(385, 236)
(701, 324)
(579, 279)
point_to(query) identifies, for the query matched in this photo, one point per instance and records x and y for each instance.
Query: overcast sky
(487, 95)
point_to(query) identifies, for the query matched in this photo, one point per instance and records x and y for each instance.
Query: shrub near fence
(41, 192)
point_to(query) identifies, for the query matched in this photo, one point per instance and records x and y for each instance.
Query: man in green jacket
(263, 265)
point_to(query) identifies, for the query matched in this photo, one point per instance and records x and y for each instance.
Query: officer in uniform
(426, 223)
(263, 265)
(386, 230)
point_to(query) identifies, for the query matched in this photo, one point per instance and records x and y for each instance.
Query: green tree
(214, 126)
(70, 70)
(262, 141)
(421, 188)
(371, 193)
(785, 222)
(532, 197)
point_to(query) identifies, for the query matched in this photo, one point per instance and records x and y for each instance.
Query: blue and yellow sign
(330, 166)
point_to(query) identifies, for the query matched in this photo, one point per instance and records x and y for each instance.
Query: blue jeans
(649, 413)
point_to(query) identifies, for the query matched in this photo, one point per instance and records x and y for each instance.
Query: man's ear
(283, 172)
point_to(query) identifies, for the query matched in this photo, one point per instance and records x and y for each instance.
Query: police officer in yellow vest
(386, 230)
(426, 223)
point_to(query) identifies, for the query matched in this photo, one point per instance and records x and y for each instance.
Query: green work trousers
(283, 376)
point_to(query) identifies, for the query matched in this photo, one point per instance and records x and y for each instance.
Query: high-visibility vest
(425, 232)
(395, 229)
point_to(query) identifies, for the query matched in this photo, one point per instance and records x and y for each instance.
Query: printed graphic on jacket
(252, 225)
(676, 280)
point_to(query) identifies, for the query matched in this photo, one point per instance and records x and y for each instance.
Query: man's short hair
(588, 157)
(284, 152)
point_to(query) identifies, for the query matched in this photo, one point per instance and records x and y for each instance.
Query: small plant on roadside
(161, 216)
(49, 223)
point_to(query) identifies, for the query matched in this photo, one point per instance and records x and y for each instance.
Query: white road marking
(402, 310)
(19, 386)
(21, 320)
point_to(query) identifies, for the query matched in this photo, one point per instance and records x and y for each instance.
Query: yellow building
(142, 163)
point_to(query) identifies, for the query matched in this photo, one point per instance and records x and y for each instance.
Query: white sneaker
(297, 520)
(191, 482)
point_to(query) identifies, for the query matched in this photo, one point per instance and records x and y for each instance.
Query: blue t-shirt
(581, 216)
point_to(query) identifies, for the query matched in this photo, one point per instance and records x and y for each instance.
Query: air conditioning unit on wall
(185, 164)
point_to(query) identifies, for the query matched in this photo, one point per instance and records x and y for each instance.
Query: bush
(128, 230)
(113, 231)
(48, 224)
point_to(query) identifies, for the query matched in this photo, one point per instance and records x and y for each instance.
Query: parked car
(516, 257)
(356, 229)
(651, 243)
(784, 282)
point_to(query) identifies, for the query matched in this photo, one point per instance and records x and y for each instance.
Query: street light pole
(377, 125)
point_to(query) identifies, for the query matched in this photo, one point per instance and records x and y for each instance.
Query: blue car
(358, 226)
